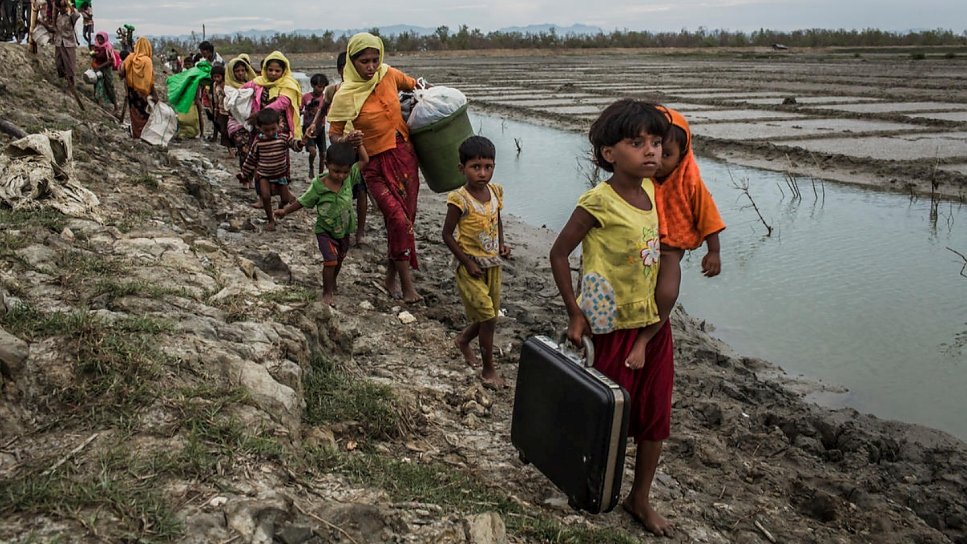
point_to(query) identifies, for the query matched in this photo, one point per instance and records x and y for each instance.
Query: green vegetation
(292, 294)
(147, 180)
(333, 395)
(115, 366)
(48, 218)
(473, 38)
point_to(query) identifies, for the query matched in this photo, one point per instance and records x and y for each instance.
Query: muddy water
(857, 291)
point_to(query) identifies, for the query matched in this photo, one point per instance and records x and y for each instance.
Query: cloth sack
(238, 103)
(162, 124)
(434, 104)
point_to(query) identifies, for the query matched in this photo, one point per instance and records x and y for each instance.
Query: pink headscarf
(107, 49)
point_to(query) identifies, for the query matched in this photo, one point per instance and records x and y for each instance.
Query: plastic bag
(434, 104)
(238, 102)
(90, 76)
(162, 124)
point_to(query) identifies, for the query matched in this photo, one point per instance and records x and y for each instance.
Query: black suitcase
(571, 422)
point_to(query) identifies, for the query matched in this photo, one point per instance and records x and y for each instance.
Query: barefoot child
(331, 194)
(268, 162)
(311, 106)
(616, 224)
(474, 211)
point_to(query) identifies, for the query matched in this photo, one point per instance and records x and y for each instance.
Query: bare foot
(492, 378)
(392, 285)
(361, 240)
(257, 205)
(636, 357)
(412, 298)
(468, 355)
(654, 522)
(326, 298)
(270, 226)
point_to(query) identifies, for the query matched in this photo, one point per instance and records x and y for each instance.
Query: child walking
(331, 194)
(268, 162)
(311, 115)
(616, 224)
(474, 211)
(220, 114)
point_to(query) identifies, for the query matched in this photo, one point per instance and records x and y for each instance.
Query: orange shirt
(687, 214)
(380, 118)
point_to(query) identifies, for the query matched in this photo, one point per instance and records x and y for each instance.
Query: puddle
(790, 129)
(576, 110)
(738, 115)
(897, 147)
(893, 107)
(562, 99)
(960, 116)
(858, 290)
(807, 100)
(690, 93)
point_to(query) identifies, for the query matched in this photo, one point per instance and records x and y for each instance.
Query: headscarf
(230, 71)
(107, 49)
(183, 86)
(354, 90)
(139, 68)
(686, 211)
(286, 86)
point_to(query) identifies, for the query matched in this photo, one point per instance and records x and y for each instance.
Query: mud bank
(168, 375)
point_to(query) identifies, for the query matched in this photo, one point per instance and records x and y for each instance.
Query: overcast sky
(174, 17)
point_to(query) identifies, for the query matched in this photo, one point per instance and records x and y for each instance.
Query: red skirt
(650, 388)
(393, 180)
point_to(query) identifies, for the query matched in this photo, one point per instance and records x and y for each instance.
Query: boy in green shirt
(331, 194)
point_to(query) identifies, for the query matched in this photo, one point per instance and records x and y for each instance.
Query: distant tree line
(444, 39)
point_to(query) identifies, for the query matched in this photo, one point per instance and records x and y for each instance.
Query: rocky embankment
(168, 375)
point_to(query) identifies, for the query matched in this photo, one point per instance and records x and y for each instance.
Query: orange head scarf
(139, 68)
(686, 212)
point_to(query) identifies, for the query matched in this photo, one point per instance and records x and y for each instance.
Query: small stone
(487, 528)
(218, 502)
(67, 234)
(294, 534)
(366, 305)
(406, 318)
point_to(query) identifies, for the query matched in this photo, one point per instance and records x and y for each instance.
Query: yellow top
(477, 232)
(619, 269)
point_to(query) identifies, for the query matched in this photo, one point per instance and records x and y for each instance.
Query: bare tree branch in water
(590, 171)
(743, 185)
(963, 270)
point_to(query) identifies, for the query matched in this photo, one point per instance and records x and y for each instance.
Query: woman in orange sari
(137, 71)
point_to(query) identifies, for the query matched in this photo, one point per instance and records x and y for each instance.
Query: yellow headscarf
(287, 86)
(355, 90)
(139, 68)
(230, 71)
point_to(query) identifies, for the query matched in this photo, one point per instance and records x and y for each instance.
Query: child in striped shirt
(268, 160)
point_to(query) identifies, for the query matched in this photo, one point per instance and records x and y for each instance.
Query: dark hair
(341, 154)
(626, 118)
(340, 61)
(280, 62)
(477, 147)
(677, 134)
(266, 117)
(218, 70)
(206, 46)
(319, 79)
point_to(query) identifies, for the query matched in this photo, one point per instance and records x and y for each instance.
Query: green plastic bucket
(437, 147)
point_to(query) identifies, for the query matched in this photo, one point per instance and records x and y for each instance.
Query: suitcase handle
(588, 348)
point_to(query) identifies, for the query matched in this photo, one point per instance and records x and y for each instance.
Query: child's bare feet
(654, 522)
(492, 378)
(412, 297)
(326, 298)
(257, 205)
(392, 285)
(270, 226)
(468, 355)
(361, 240)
